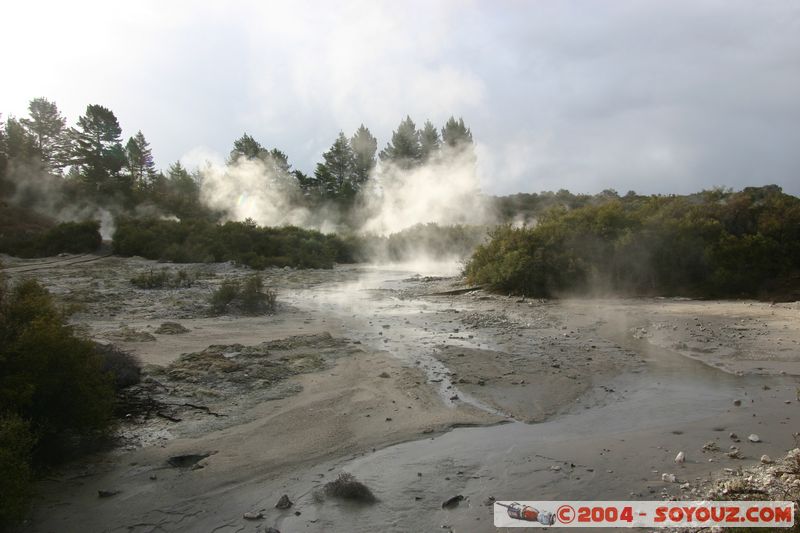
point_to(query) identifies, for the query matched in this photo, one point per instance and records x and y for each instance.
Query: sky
(667, 96)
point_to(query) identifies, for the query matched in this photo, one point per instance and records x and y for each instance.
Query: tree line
(91, 161)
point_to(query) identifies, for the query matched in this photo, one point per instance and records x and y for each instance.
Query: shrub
(248, 297)
(347, 487)
(124, 368)
(69, 237)
(715, 243)
(16, 478)
(242, 242)
(49, 376)
(164, 279)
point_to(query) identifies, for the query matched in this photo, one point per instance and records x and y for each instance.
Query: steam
(444, 191)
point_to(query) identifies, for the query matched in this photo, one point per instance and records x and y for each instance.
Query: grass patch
(248, 297)
(347, 487)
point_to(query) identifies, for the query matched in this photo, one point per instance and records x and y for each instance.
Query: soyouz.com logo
(650, 514)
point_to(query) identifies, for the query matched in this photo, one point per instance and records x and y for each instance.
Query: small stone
(711, 446)
(766, 459)
(452, 502)
(555, 468)
(737, 403)
(284, 502)
(668, 478)
(680, 458)
(253, 515)
(753, 438)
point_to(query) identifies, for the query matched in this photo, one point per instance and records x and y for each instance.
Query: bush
(16, 477)
(249, 297)
(711, 244)
(123, 367)
(245, 243)
(68, 237)
(49, 376)
(164, 279)
(347, 487)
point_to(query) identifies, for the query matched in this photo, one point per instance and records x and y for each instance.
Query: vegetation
(347, 487)
(249, 297)
(54, 390)
(716, 243)
(242, 242)
(67, 237)
(164, 279)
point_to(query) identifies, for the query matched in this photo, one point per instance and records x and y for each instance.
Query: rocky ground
(401, 379)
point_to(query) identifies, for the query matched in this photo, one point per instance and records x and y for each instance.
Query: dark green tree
(455, 134)
(139, 160)
(430, 143)
(48, 128)
(247, 147)
(404, 149)
(364, 146)
(20, 146)
(334, 176)
(98, 151)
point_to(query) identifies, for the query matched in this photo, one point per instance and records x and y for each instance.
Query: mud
(402, 377)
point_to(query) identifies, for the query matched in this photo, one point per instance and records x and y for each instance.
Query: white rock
(668, 478)
(754, 438)
(555, 467)
(680, 458)
(766, 459)
(253, 515)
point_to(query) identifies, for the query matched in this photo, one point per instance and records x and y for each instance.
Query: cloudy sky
(654, 96)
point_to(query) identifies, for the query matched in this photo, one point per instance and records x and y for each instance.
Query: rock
(107, 493)
(284, 502)
(171, 328)
(454, 397)
(555, 468)
(384, 375)
(766, 459)
(754, 438)
(711, 446)
(668, 478)
(680, 458)
(452, 502)
(735, 453)
(737, 403)
(253, 515)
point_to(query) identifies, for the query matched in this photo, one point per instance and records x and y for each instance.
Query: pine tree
(404, 148)
(335, 175)
(364, 146)
(48, 127)
(140, 160)
(455, 134)
(247, 147)
(430, 143)
(98, 151)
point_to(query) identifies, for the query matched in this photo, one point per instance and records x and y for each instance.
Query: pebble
(253, 515)
(668, 478)
(754, 438)
(680, 458)
(766, 459)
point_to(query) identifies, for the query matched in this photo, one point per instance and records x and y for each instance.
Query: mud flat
(401, 379)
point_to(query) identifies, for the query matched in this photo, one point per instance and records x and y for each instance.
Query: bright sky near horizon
(654, 96)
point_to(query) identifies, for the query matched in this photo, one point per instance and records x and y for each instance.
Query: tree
(139, 159)
(364, 146)
(404, 149)
(455, 134)
(335, 175)
(430, 143)
(247, 147)
(20, 146)
(47, 126)
(98, 151)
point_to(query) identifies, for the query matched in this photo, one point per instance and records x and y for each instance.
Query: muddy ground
(420, 389)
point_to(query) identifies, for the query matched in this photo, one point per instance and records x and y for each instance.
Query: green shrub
(714, 243)
(164, 279)
(123, 367)
(245, 243)
(49, 376)
(16, 476)
(68, 237)
(249, 297)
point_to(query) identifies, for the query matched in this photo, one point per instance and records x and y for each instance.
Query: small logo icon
(565, 514)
